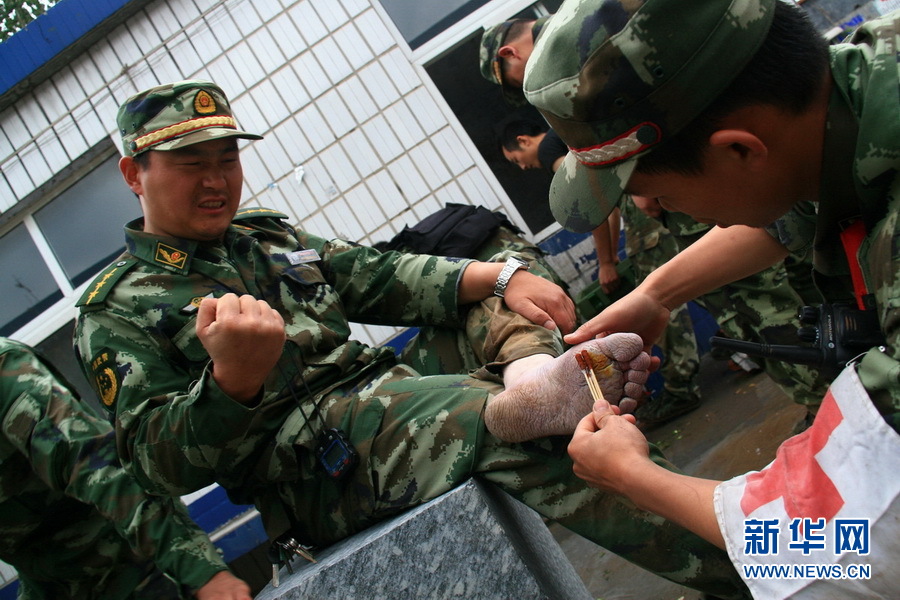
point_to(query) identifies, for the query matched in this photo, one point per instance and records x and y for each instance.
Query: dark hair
(142, 159)
(516, 127)
(787, 72)
(518, 28)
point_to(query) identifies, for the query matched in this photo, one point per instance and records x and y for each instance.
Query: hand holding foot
(551, 399)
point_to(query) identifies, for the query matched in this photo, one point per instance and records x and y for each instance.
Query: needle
(584, 362)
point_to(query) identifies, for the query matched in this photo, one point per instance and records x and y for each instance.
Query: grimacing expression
(191, 192)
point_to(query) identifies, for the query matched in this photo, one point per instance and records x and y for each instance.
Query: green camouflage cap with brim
(491, 62)
(176, 115)
(614, 78)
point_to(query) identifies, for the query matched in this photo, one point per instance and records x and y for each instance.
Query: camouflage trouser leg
(419, 437)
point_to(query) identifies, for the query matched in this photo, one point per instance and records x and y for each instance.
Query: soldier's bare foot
(552, 398)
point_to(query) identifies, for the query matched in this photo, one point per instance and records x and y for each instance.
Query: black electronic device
(834, 335)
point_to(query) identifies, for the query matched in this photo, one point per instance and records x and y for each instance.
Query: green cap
(616, 77)
(176, 115)
(492, 40)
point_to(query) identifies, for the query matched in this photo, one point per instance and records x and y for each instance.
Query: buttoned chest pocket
(311, 304)
(187, 342)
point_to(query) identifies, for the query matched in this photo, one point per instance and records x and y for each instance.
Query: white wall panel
(429, 165)
(373, 30)
(383, 138)
(336, 113)
(185, 55)
(294, 141)
(125, 46)
(365, 208)
(452, 150)
(408, 179)
(90, 127)
(340, 169)
(266, 50)
(163, 67)
(478, 190)
(380, 86)
(185, 12)
(333, 16)
(289, 88)
(16, 133)
(245, 16)
(332, 60)
(313, 125)
(404, 124)
(71, 142)
(17, 176)
(360, 153)
(402, 72)
(144, 33)
(265, 106)
(354, 7)
(286, 35)
(219, 21)
(311, 74)
(352, 44)
(345, 221)
(318, 224)
(204, 40)
(33, 117)
(164, 20)
(308, 22)
(422, 104)
(70, 90)
(246, 65)
(385, 191)
(358, 99)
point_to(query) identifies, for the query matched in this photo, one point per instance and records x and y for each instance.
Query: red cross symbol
(795, 476)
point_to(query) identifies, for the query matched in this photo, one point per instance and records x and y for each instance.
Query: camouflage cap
(616, 77)
(491, 62)
(175, 115)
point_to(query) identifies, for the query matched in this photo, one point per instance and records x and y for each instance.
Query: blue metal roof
(47, 36)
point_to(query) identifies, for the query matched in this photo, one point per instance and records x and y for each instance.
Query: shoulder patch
(106, 377)
(255, 213)
(96, 293)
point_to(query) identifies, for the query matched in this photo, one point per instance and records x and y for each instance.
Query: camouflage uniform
(649, 245)
(417, 436)
(862, 116)
(72, 522)
(761, 308)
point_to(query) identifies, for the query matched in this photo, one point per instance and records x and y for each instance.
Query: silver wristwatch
(512, 265)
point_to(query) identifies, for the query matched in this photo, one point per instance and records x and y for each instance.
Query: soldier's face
(526, 155)
(191, 192)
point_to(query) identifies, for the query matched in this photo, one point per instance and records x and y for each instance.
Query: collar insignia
(170, 256)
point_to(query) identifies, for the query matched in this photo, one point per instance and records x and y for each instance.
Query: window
(421, 20)
(52, 250)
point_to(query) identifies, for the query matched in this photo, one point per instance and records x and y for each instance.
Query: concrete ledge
(475, 542)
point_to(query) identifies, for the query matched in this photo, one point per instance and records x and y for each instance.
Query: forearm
(679, 498)
(603, 244)
(478, 281)
(721, 256)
